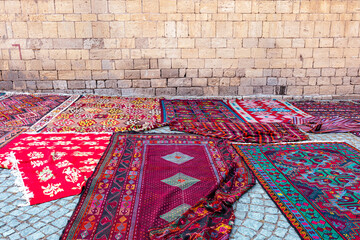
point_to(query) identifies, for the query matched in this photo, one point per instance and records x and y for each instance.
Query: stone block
(179, 82)
(158, 83)
(76, 84)
(132, 74)
(165, 92)
(44, 85)
(169, 73)
(190, 91)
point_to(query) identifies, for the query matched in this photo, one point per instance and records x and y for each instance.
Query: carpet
(23, 110)
(327, 125)
(315, 185)
(327, 109)
(93, 113)
(244, 132)
(331, 110)
(265, 111)
(204, 110)
(9, 133)
(336, 137)
(52, 166)
(146, 181)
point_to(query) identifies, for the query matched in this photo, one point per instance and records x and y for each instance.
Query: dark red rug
(244, 132)
(149, 181)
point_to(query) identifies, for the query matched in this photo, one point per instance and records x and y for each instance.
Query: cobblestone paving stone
(256, 215)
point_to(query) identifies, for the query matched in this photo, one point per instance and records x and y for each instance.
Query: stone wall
(181, 47)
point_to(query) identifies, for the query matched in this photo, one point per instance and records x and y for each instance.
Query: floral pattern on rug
(146, 181)
(23, 110)
(265, 111)
(316, 185)
(93, 113)
(52, 166)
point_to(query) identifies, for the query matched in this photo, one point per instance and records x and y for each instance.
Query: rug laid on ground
(146, 181)
(9, 133)
(327, 125)
(264, 111)
(332, 111)
(327, 109)
(93, 113)
(315, 185)
(23, 110)
(52, 166)
(204, 110)
(244, 132)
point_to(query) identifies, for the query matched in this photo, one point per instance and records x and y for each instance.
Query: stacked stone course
(181, 47)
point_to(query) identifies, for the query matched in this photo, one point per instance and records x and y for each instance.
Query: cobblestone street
(257, 217)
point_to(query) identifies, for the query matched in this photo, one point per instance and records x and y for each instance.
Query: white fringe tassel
(27, 195)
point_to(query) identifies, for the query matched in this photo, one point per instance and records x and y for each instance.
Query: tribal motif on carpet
(9, 133)
(315, 185)
(197, 111)
(93, 113)
(147, 181)
(244, 132)
(52, 166)
(265, 111)
(21, 110)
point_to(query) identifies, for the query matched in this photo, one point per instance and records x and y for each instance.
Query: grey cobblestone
(257, 217)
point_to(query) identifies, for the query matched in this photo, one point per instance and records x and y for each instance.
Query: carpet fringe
(19, 182)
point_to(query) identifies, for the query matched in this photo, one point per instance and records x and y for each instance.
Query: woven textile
(244, 132)
(147, 181)
(52, 166)
(326, 109)
(316, 185)
(197, 111)
(327, 125)
(265, 111)
(107, 114)
(9, 133)
(333, 111)
(20, 110)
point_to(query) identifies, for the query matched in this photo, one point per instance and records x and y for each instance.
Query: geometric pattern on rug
(204, 110)
(9, 133)
(22, 110)
(134, 188)
(316, 185)
(177, 157)
(265, 111)
(333, 109)
(175, 213)
(52, 166)
(93, 113)
(180, 180)
(244, 131)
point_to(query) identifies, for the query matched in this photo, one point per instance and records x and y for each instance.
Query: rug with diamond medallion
(204, 110)
(50, 166)
(23, 110)
(315, 185)
(147, 181)
(93, 113)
